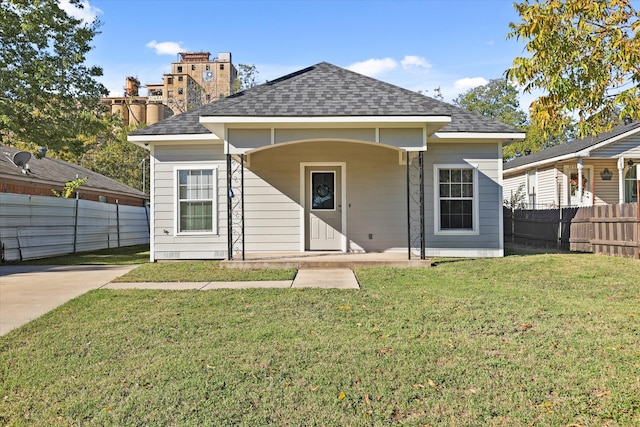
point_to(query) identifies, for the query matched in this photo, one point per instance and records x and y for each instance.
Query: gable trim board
(325, 119)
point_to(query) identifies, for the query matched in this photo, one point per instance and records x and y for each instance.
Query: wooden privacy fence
(34, 227)
(549, 228)
(609, 230)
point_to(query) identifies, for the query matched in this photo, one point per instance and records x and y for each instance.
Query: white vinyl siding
(546, 189)
(627, 148)
(606, 191)
(511, 185)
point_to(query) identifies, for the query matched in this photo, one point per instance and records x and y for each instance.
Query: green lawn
(545, 340)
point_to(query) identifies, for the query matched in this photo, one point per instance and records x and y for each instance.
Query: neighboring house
(38, 176)
(596, 170)
(317, 160)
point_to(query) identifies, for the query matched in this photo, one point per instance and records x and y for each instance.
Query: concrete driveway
(29, 291)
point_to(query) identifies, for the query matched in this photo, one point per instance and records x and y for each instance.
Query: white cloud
(85, 12)
(412, 62)
(166, 48)
(467, 83)
(373, 67)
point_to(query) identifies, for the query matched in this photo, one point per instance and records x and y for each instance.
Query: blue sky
(416, 44)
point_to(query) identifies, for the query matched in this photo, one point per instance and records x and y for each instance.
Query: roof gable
(325, 90)
(573, 148)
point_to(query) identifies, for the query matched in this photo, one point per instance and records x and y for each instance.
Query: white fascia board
(479, 135)
(541, 163)
(323, 120)
(174, 137)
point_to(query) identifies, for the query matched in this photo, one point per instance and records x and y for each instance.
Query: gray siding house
(325, 159)
(596, 170)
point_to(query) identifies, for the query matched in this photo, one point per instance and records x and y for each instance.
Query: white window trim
(436, 201)
(176, 199)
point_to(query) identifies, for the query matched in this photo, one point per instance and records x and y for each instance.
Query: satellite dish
(21, 158)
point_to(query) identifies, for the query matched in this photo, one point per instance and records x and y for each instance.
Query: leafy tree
(70, 188)
(535, 140)
(247, 78)
(110, 154)
(497, 99)
(48, 95)
(584, 57)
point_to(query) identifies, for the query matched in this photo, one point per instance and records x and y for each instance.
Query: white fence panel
(34, 227)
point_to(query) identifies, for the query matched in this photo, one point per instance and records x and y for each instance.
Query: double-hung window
(456, 201)
(196, 204)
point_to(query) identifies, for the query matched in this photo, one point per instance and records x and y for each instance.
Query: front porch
(325, 260)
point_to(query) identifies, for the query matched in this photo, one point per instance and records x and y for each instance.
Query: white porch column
(580, 180)
(620, 180)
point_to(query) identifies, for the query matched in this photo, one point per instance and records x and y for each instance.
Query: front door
(323, 208)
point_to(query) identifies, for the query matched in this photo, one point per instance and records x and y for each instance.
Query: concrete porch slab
(324, 260)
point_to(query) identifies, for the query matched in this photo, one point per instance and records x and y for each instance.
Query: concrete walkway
(28, 292)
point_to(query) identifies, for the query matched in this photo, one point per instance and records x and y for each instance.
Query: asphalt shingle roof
(60, 172)
(326, 90)
(570, 147)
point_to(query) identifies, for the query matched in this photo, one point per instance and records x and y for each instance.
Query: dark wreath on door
(323, 190)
